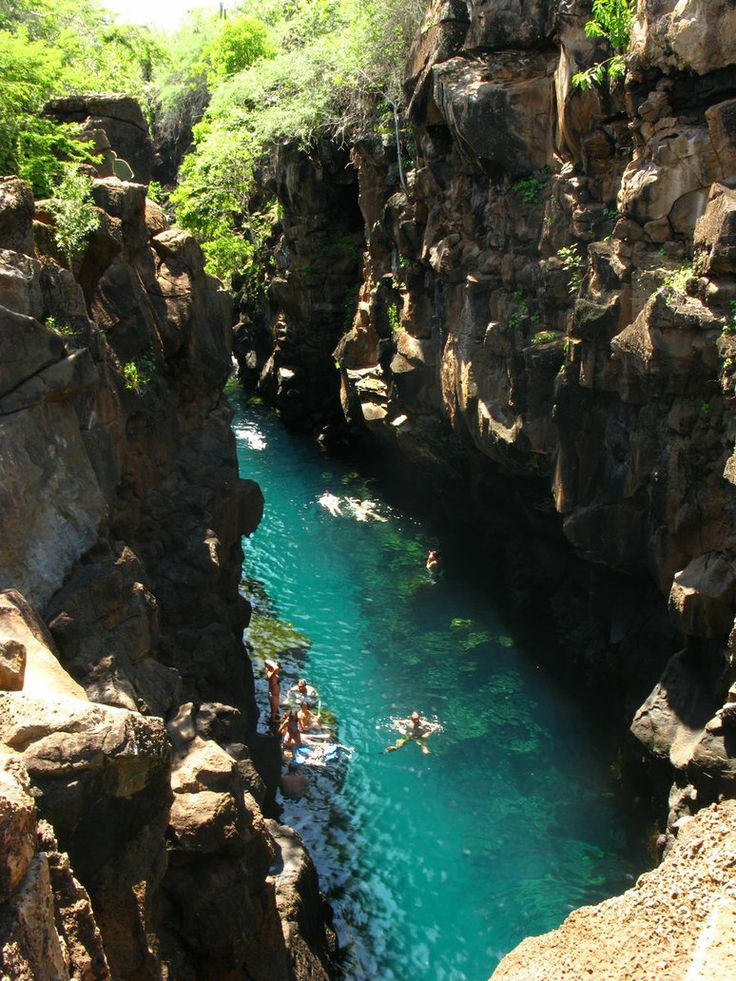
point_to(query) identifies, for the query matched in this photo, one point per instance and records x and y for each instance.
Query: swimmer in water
(434, 563)
(301, 691)
(418, 731)
(364, 510)
(330, 502)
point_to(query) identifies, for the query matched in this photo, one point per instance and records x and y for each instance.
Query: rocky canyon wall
(131, 774)
(545, 330)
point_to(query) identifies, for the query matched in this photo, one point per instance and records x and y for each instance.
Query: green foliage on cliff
(612, 23)
(327, 66)
(58, 47)
(74, 212)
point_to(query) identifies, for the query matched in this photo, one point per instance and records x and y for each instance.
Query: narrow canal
(436, 865)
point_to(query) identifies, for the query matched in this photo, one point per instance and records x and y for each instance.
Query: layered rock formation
(546, 328)
(134, 845)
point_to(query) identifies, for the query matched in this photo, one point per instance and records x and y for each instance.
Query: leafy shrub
(333, 66)
(531, 188)
(74, 212)
(676, 282)
(544, 337)
(139, 373)
(611, 22)
(573, 264)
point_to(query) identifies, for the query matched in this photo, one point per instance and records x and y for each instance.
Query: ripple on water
(435, 865)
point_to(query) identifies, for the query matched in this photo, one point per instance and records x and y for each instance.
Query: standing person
(274, 688)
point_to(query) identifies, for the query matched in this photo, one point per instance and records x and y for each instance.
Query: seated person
(289, 730)
(307, 719)
(293, 783)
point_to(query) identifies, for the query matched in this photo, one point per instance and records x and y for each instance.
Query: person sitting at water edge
(418, 731)
(307, 719)
(293, 783)
(290, 731)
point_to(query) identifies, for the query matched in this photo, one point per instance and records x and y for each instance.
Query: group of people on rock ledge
(296, 720)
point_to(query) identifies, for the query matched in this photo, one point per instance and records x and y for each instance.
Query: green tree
(240, 43)
(74, 212)
(612, 23)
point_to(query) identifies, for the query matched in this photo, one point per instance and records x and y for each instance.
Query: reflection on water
(436, 865)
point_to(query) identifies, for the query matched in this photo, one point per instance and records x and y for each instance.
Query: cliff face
(134, 844)
(546, 326)
(545, 319)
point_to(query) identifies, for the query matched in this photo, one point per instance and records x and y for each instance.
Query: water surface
(436, 865)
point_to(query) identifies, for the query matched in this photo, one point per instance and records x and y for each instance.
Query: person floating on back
(419, 730)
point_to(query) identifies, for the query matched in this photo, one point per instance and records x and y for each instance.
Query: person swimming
(418, 730)
(434, 563)
(330, 502)
(364, 510)
(302, 692)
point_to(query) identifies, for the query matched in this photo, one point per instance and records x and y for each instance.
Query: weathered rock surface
(677, 923)
(120, 559)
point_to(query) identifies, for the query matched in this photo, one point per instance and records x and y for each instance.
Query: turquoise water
(436, 865)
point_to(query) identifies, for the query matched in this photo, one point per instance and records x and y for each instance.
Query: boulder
(497, 108)
(16, 215)
(702, 597)
(121, 120)
(17, 825)
(715, 232)
(30, 947)
(684, 35)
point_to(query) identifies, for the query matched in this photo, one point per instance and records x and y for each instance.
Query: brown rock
(702, 597)
(12, 664)
(498, 108)
(17, 825)
(688, 35)
(676, 922)
(30, 947)
(715, 232)
(16, 215)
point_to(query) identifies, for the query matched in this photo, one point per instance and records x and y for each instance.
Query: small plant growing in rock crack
(394, 321)
(63, 329)
(729, 328)
(530, 189)
(572, 262)
(521, 311)
(544, 337)
(611, 214)
(676, 282)
(138, 373)
(611, 22)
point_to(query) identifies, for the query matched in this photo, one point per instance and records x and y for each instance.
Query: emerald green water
(436, 865)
